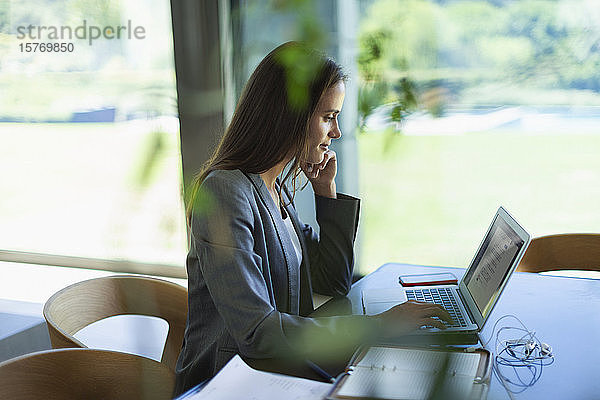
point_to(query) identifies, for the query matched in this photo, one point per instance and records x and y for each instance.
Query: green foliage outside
(34, 98)
(109, 190)
(105, 190)
(120, 73)
(428, 200)
(451, 51)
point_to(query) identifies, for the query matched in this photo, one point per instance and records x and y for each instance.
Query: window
(89, 133)
(468, 105)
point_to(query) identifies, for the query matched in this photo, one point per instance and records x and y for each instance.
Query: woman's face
(323, 126)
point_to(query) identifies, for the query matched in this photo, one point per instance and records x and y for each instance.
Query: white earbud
(529, 348)
(545, 349)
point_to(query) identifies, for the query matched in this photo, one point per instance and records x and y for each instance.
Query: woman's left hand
(322, 175)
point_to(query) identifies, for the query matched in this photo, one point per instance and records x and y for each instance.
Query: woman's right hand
(410, 316)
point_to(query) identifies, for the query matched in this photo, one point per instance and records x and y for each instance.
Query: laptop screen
(491, 265)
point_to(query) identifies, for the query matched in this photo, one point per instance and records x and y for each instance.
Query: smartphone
(444, 278)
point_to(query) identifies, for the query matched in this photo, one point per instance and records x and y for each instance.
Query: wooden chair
(83, 303)
(562, 252)
(84, 374)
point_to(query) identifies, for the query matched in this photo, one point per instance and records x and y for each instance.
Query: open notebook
(408, 373)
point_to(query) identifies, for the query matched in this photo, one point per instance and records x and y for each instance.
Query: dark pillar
(200, 86)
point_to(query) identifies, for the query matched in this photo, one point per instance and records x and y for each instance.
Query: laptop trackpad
(376, 301)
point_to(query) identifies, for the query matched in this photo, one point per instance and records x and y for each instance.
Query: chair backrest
(83, 303)
(574, 251)
(84, 374)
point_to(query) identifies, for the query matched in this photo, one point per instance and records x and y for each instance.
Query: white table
(22, 329)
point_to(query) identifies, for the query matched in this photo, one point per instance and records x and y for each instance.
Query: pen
(320, 371)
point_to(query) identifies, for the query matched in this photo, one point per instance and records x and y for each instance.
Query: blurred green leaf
(370, 96)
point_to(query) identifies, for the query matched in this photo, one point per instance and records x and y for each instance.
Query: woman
(252, 266)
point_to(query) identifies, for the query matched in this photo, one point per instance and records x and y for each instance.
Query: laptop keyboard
(443, 296)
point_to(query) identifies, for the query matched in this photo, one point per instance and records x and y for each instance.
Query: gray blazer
(247, 292)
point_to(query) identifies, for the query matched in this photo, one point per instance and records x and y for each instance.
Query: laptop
(471, 301)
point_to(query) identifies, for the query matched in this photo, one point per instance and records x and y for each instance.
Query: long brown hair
(272, 116)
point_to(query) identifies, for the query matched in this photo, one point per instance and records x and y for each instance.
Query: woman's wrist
(326, 190)
(376, 326)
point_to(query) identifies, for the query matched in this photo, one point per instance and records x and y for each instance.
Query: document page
(238, 381)
(493, 267)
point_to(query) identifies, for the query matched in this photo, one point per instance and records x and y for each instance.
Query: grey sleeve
(331, 253)
(222, 234)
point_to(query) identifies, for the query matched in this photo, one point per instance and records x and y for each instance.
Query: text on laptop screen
(492, 264)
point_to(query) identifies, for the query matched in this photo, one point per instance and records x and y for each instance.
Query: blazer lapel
(287, 248)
